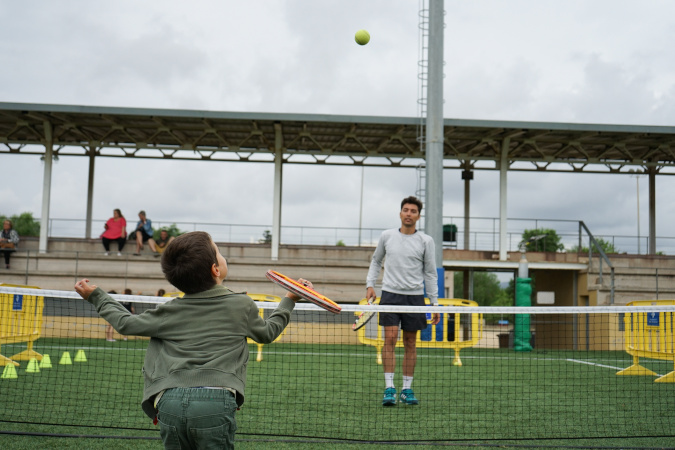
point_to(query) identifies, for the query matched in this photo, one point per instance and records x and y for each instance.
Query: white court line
(578, 361)
(72, 347)
(270, 351)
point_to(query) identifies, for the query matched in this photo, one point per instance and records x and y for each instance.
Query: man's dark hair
(187, 262)
(413, 201)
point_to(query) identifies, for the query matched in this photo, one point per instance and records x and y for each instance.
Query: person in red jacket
(115, 230)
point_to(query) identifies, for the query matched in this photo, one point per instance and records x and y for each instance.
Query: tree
(549, 243)
(172, 230)
(486, 288)
(267, 238)
(606, 247)
(24, 224)
(486, 292)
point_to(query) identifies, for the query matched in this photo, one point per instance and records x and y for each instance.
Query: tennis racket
(364, 317)
(303, 291)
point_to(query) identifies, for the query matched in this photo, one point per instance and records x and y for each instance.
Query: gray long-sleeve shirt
(410, 263)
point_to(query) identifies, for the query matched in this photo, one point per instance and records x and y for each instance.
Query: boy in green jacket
(195, 365)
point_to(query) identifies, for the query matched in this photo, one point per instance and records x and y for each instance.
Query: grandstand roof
(330, 139)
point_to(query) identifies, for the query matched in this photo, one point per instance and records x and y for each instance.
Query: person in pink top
(115, 230)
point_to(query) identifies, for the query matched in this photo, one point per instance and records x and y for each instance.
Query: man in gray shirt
(410, 267)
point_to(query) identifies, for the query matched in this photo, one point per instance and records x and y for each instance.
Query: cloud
(600, 62)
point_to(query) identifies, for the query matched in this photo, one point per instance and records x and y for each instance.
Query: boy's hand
(85, 289)
(304, 282)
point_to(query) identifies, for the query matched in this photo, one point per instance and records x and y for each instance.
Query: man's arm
(430, 272)
(374, 269)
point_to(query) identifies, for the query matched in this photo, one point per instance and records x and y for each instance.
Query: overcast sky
(532, 60)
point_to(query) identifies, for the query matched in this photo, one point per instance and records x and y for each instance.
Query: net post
(521, 342)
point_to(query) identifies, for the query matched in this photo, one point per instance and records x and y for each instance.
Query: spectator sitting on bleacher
(9, 239)
(144, 234)
(115, 230)
(164, 240)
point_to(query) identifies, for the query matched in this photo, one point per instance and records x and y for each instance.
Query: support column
(434, 137)
(652, 210)
(46, 187)
(503, 170)
(467, 279)
(90, 191)
(467, 176)
(278, 176)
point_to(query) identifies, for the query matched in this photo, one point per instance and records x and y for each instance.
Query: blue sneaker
(408, 397)
(389, 397)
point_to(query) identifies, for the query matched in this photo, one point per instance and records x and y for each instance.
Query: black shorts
(408, 322)
(145, 236)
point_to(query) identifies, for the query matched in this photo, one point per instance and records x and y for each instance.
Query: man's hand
(435, 318)
(85, 289)
(370, 294)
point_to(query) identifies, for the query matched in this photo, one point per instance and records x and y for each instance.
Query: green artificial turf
(323, 395)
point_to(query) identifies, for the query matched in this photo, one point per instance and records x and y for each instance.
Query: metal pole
(361, 203)
(637, 183)
(90, 192)
(575, 317)
(503, 170)
(434, 129)
(278, 175)
(46, 188)
(652, 211)
(467, 175)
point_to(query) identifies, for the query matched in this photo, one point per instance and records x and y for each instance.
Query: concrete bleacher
(338, 272)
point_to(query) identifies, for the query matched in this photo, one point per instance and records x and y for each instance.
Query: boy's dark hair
(413, 201)
(187, 262)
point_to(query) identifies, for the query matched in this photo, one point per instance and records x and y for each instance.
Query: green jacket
(197, 340)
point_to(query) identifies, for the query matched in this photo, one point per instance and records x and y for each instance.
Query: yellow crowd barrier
(257, 298)
(448, 333)
(20, 321)
(650, 335)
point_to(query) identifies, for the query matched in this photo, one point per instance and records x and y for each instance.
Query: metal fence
(483, 235)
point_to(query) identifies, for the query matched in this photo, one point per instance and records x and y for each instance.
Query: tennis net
(563, 373)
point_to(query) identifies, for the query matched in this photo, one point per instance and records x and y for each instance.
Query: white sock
(407, 382)
(389, 379)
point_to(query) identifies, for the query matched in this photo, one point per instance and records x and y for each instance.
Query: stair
(636, 277)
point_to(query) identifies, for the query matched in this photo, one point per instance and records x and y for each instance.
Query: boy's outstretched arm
(117, 315)
(85, 289)
(265, 331)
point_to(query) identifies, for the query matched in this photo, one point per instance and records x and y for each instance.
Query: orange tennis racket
(303, 291)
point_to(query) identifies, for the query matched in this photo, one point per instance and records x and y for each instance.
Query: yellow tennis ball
(362, 37)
